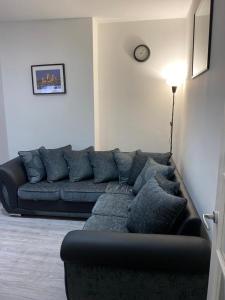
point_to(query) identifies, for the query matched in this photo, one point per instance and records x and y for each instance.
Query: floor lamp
(174, 89)
(175, 75)
(173, 83)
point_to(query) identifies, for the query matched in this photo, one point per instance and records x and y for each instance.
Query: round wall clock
(142, 53)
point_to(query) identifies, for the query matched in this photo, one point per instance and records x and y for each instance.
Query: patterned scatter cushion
(55, 164)
(153, 210)
(79, 164)
(104, 165)
(140, 160)
(124, 161)
(150, 169)
(33, 165)
(171, 187)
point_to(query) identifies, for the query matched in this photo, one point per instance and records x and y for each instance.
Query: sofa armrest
(12, 175)
(137, 251)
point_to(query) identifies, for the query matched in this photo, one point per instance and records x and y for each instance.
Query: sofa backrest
(190, 222)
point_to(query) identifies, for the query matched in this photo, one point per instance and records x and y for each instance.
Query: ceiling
(15, 10)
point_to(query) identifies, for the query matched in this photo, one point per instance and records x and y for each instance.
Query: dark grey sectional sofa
(105, 261)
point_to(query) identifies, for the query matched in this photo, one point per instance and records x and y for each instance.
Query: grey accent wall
(52, 120)
(200, 118)
(3, 133)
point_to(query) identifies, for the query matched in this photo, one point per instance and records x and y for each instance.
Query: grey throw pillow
(104, 165)
(140, 160)
(153, 210)
(171, 187)
(55, 164)
(124, 162)
(79, 164)
(150, 169)
(33, 165)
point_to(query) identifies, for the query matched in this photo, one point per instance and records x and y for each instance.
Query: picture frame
(48, 79)
(202, 35)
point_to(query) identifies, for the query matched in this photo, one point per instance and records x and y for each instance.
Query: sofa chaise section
(110, 213)
(106, 261)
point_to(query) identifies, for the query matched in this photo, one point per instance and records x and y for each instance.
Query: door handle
(213, 217)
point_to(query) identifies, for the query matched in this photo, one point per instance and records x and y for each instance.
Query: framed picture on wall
(48, 79)
(202, 37)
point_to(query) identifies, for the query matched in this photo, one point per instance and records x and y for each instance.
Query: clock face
(141, 53)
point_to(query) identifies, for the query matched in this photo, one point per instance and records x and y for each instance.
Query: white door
(216, 290)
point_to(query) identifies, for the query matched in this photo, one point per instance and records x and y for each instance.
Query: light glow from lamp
(175, 74)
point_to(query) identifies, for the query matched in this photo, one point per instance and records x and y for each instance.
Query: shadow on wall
(4, 154)
(131, 43)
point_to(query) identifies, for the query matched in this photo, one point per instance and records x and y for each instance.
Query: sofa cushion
(113, 205)
(150, 169)
(153, 210)
(40, 191)
(124, 162)
(85, 191)
(55, 164)
(33, 164)
(104, 166)
(106, 223)
(114, 187)
(79, 164)
(140, 160)
(171, 187)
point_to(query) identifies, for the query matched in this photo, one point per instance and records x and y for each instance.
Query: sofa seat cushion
(114, 187)
(82, 191)
(106, 223)
(42, 190)
(113, 205)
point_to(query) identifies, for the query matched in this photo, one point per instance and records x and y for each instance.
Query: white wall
(3, 134)
(96, 82)
(52, 121)
(198, 140)
(134, 100)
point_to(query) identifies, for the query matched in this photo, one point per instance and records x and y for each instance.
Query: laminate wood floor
(30, 264)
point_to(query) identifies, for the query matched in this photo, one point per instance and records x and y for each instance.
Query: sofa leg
(15, 215)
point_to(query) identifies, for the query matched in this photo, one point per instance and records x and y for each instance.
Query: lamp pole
(174, 88)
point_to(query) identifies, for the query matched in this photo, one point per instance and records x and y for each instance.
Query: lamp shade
(175, 74)
(174, 81)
